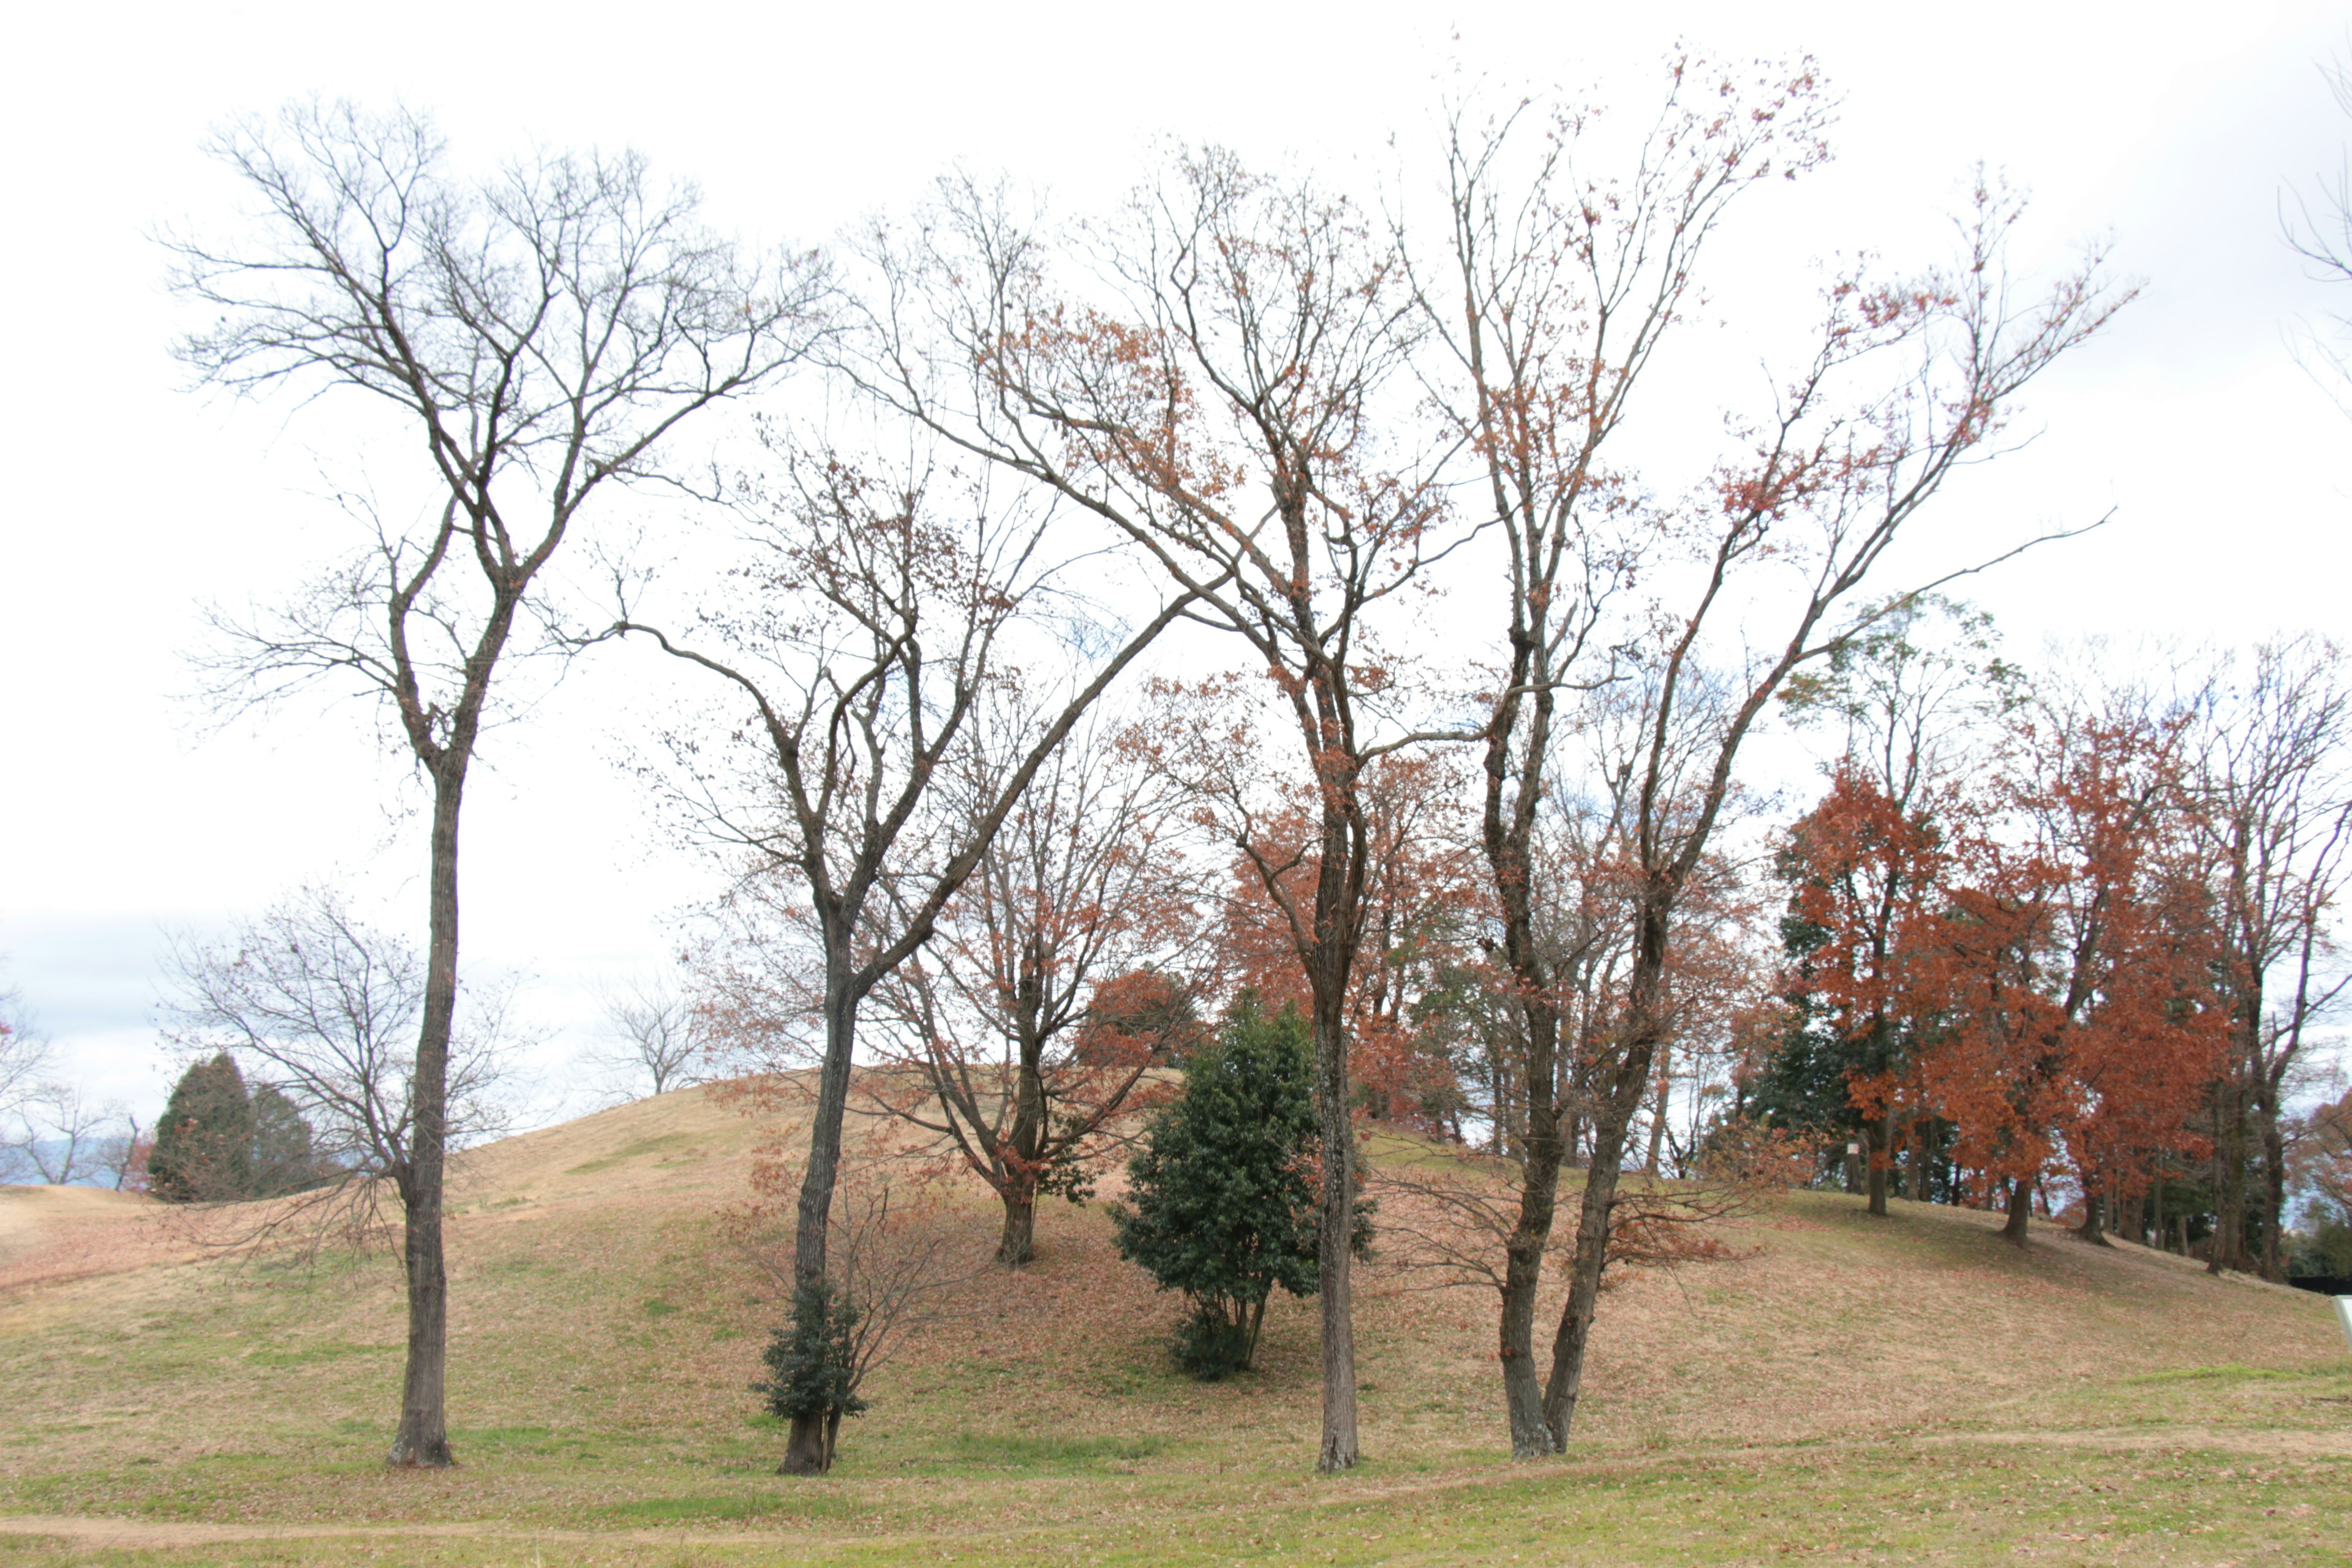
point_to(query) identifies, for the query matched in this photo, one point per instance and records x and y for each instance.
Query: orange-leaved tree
(1867, 879)
(2077, 956)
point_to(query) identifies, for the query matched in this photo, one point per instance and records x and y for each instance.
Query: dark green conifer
(204, 1143)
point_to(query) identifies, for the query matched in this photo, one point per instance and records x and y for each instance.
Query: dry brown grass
(603, 1333)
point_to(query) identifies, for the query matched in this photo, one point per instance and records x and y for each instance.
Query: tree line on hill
(2074, 949)
(1253, 592)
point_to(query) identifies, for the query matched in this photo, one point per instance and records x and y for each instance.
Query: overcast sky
(131, 503)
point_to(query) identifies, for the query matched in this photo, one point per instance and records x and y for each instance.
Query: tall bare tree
(1908, 381)
(1558, 289)
(538, 334)
(2273, 795)
(1210, 375)
(876, 621)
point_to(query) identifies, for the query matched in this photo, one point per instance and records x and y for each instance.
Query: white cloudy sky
(130, 502)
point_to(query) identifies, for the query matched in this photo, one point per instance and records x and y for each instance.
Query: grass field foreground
(1900, 1391)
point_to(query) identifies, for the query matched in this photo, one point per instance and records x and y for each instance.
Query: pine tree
(286, 1158)
(204, 1144)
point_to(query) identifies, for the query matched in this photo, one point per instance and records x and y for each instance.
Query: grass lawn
(1902, 1391)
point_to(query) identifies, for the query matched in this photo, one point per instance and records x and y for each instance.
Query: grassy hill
(1905, 1390)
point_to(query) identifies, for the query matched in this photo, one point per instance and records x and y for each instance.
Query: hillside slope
(606, 1320)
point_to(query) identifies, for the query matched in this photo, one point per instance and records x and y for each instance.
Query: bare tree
(1212, 388)
(539, 334)
(2273, 794)
(2318, 225)
(24, 1053)
(869, 633)
(1559, 291)
(66, 1136)
(1836, 473)
(330, 1005)
(1057, 975)
(654, 1033)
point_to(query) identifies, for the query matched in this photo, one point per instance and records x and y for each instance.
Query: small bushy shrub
(1222, 1197)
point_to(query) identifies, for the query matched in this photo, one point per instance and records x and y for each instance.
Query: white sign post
(2344, 1316)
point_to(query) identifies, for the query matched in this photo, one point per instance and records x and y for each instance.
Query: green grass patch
(628, 1152)
(2230, 1373)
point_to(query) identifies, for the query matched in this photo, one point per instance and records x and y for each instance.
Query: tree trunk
(2271, 1211)
(808, 1451)
(1531, 1430)
(1612, 1116)
(2020, 1209)
(423, 1440)
(2228, 1248)
(1017, 1243)
(1249, 1343)
(1878, 1134)
(2094, 1228)
(1506, 836)
(1566, 1383)
(1334, 1234)
(1658, 1110)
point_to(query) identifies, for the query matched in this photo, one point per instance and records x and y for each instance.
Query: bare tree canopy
(654, 1034)
(58, 1132)
(24, 1053)
(2318, 224)
(327, 1008)
(1060, 975)
(67, 1137)
(2273, 795)
(1558, 289)
(1210, 374)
